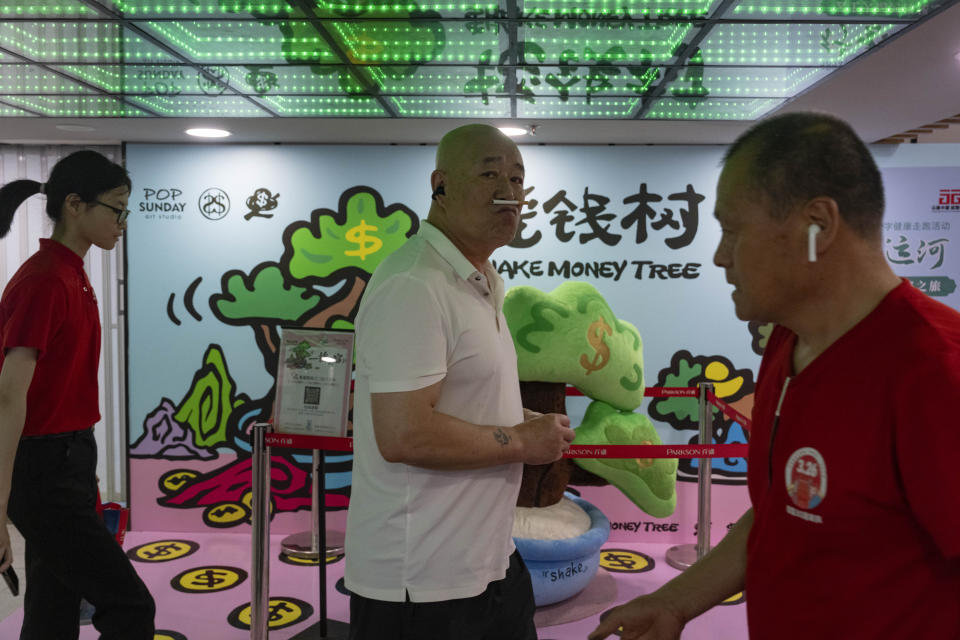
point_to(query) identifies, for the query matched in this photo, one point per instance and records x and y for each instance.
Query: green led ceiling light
(12, 112)
(543, 59)
(194, 9)
(200, 106)
(600, 9)
(78, 42)
(711, 108)
(320, 107)
(821, 45)
(452, 107)
(43, 9)
(75, 107)
(212, 42)
(430, 80)
(807, 9)
(384, 9)
(607, 41)
(594, 80)
(580, 108)
(740, 82)
(27, 80)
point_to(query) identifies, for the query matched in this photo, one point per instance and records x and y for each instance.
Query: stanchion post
(260, 517)
(315, 508)
(682, 556)
(704, 472)
(320, 528)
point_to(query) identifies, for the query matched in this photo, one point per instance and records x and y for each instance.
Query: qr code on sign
(311, 395)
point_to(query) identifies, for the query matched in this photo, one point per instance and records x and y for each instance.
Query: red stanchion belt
(652, 392)
(291, 441)
(642, 451)
(729, 411)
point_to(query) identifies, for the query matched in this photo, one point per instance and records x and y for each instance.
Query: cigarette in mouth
(516, 202)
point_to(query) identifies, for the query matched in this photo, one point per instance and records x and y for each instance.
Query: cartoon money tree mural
(571, 336)
(317, 282)
(732, 385)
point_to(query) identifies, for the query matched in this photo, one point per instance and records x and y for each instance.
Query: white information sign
(313, 381)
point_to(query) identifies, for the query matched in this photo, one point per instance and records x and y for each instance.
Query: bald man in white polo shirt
(440, 434)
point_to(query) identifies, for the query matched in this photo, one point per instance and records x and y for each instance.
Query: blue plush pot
(561, 569)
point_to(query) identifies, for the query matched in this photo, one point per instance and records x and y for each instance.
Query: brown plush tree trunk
(543, 484)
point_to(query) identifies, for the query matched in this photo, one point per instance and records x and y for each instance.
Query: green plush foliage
(571, 335)
(649, 483)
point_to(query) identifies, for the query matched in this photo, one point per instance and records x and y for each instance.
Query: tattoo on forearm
(501, 436)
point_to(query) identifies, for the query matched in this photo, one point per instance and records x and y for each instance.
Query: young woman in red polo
(49, 355)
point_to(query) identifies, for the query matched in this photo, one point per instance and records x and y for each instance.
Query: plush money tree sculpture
(571, 336)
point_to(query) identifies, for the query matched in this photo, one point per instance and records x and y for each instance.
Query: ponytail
(12, 196)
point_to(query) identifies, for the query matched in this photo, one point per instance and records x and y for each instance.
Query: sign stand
(306, 544)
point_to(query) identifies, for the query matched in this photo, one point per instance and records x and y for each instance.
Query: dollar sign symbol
(595, 337)
(619, 560)
(277, 609)
(209, 578)
(368, 244)
(161, 550)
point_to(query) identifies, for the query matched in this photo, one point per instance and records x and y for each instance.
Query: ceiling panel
(19, 79)
(547, 59)
(75, 106)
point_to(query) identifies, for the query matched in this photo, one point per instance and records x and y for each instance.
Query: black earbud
(438, 192)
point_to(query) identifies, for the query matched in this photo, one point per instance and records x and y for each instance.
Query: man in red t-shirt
(854, 434)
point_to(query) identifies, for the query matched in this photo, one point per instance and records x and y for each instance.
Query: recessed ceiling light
(75, 128)
(208, 133)
(513, 132)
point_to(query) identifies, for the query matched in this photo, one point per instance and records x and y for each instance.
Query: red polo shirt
(49, 305)
(856, 531)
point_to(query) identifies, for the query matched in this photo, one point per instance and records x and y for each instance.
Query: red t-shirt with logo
(49, 305)
(856, 528)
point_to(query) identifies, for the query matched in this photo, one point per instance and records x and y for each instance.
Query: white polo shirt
(428, 315)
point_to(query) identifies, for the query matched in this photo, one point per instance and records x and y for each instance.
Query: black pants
(70, 553)
(503, 612)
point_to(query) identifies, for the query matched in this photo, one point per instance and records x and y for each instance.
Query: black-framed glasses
(122, 214)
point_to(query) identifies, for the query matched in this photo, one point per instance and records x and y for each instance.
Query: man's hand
(545, 438)
(648, 617)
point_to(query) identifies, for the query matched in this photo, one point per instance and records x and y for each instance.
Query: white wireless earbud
(812, 232)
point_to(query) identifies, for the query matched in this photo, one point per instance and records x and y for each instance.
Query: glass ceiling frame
(599, 59)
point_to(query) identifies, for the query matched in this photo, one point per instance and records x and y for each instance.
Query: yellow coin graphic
(281, 612)
(247, 500)
(168, 635)
(173, 481)
(735, 599)
(162, 550)
(625, 561)
(208, 579)
(226, 514)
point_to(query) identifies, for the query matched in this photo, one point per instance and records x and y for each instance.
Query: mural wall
(228, 243)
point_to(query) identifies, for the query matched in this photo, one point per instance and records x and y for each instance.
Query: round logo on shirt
(806, 476)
